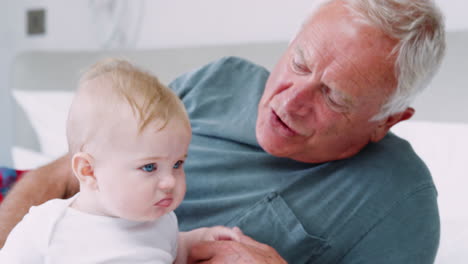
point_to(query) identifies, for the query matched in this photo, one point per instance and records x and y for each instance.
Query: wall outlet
(36, 21)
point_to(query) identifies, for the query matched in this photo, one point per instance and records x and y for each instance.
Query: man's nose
(167, 182)
(299, 98)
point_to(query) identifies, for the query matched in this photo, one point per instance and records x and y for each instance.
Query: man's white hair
(418, 26)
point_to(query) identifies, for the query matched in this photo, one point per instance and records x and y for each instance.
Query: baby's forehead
(102, 85)
(121, 132)
(114, 103)
(174, 123)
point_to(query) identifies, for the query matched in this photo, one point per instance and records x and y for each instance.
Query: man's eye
(149, 167)
(299, 67)
(331, 102)
(178, 164)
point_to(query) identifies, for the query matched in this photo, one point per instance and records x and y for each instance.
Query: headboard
(54, 70)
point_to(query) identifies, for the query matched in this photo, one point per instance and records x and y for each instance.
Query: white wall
(162, 23)
(71, 24)
(88, 24)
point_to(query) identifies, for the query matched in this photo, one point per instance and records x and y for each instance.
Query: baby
(128, 136)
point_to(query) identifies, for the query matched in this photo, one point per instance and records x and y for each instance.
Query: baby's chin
(148, 217)
(149, 214)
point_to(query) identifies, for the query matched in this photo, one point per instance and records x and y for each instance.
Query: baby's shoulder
(49, 207)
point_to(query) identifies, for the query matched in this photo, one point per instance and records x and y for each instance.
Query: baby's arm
(188, 239)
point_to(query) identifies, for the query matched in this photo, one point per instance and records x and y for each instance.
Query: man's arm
(54, 180)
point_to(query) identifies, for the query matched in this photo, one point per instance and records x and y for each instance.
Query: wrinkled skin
(333, 78)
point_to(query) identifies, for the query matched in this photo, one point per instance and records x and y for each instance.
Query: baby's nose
(167, 182)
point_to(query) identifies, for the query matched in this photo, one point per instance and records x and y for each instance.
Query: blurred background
(27, 25)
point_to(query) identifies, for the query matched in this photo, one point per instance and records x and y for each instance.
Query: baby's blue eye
(149, 167)
(178, 164)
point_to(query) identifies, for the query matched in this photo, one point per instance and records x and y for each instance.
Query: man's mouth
(282, 126)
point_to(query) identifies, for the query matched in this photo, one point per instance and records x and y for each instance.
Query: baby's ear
(83, 168)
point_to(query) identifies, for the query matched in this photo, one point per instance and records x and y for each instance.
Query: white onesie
(55, 233)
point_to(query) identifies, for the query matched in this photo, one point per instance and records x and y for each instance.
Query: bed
(42, 83)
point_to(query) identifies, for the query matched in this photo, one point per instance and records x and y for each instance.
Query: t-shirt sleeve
(409, 233)
(23, 244)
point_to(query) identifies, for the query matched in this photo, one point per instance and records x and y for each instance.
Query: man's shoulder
(392, 159)
(396, 151)
(231, 63)
(233, 67)
(225, 65)
(229, 70)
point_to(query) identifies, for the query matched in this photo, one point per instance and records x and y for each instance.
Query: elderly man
(315, 174)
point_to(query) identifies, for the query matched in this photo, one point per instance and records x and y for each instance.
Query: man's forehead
(348, 71)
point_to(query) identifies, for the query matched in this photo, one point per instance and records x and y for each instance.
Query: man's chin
(282, 150)
(271, 143)
(272, 147)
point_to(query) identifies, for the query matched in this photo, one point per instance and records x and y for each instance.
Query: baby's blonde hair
(149, 99)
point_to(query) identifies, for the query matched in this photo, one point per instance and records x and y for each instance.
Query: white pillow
(47, 112)
(26, 159)
(443, 146)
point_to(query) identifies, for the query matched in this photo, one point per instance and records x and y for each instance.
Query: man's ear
(387, 123)
(83, 168)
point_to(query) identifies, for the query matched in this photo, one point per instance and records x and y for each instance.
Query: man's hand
(245, 251)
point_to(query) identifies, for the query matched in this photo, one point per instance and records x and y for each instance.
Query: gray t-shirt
(377, 207)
